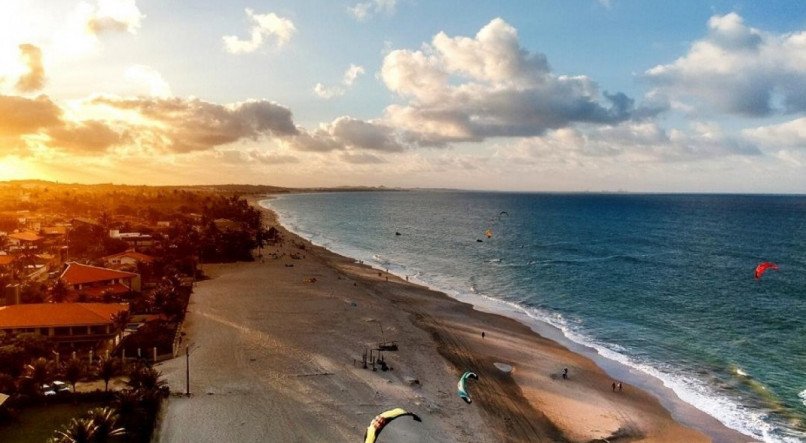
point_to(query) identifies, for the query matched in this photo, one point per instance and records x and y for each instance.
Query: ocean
(659, 284)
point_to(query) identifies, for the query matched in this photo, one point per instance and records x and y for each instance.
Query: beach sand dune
(277, 356)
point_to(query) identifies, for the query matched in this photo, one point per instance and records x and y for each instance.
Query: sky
(576, 95)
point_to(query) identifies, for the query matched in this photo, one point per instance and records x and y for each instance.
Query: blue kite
(462, 387)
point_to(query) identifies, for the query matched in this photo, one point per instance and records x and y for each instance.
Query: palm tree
(128, 403)
(73, 371)
(146, 378)
(59, 291)
(107, 368)
(80, 430)
(121, 320)
(39, 371)
(106, 422)
(132, 412)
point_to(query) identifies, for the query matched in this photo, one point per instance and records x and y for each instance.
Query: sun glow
(12, 168)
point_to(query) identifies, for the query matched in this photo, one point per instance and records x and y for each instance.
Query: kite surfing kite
(763, 267)
(462, 387)
(380, 421)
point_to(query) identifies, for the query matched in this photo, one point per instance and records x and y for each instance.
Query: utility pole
(187, 370)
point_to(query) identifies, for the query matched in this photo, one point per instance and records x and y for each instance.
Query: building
(24, 237)
(129, 259)
(134, 239)
(95, 282)
(65, 323)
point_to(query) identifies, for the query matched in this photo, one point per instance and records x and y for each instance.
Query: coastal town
(95, 283)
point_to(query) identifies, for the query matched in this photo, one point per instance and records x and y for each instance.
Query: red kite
(763, 267)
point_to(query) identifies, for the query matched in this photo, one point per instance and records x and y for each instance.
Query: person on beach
(614, 386)
(482, 334)
(565, 373)
(619, 387)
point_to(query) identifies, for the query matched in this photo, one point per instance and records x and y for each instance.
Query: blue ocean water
(663, 283)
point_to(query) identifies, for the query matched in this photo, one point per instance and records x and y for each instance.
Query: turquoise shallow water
(663, 283)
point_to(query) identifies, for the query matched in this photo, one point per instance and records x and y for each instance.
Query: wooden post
(155, 354)
(187, 370)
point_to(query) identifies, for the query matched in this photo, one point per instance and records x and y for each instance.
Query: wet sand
(276, 356)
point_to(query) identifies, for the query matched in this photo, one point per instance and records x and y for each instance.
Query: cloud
(85, 136)
(114, 16)
(185, 125)
(42, 119)
(264, 26)
(23, 116)
(364, 10)
(359, 134)
(272, 158)
(636, 142)
(739, 70)
(34, 79)
(235, 156)
(347, 133)
(350, 75)
(470, 88)
(147, 79)
(787, 135)
(361, 158)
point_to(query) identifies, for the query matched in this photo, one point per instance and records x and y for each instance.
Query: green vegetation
(44, 226)
(38, 423)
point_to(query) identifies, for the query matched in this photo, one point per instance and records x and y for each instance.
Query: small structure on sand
(503, 367)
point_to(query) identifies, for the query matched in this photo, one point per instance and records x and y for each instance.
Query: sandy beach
(276, 352)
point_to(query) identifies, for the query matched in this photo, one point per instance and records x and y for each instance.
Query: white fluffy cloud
(114, 15)
(363, 10)
(471, 88)
(147, 81)
(738, 69)
(264, 26)
(350, 75)
(788, 135)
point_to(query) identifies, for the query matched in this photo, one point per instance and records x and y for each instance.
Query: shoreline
(276, 348)
(683, 412)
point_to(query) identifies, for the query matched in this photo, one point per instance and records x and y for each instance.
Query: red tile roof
(42, 315)
(76, 274)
